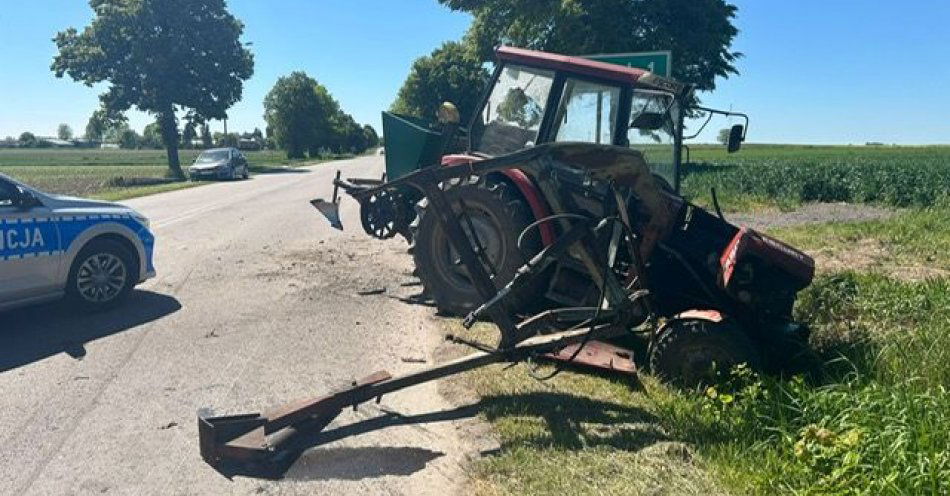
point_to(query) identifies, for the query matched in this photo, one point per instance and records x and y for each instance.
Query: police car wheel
(101, 275)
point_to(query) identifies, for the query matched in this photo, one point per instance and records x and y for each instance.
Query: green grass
(111, 174)
(780, 176)
(873, 423)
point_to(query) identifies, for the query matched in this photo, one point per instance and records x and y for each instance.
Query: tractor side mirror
(735, 138)
(650, 121)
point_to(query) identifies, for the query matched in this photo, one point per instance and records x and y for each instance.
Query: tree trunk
(169, 125)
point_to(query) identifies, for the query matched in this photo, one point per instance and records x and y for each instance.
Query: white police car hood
(77, 206)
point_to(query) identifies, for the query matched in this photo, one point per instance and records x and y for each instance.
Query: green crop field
(109, 174)
(870, 415)
(785, 176)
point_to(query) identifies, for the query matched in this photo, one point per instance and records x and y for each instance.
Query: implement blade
(330, 210)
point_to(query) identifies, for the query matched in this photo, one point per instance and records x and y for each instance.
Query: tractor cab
(536, 97)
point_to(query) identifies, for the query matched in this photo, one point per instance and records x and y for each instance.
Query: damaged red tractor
(561, 223)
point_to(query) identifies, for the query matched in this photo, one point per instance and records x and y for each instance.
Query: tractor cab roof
(587, 67)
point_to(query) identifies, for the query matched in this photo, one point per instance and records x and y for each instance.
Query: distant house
(58, 143)
(249, 144)
(87, 143)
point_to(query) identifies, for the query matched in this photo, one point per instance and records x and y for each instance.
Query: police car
(93, 252)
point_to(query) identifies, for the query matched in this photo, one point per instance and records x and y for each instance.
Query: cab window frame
(617, 122)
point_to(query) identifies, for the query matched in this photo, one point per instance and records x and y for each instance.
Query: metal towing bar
(264, 443)
(272, 438)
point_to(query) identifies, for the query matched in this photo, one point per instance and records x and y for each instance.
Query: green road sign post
(659, 63)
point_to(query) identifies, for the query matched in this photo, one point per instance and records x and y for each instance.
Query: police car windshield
(212, 156)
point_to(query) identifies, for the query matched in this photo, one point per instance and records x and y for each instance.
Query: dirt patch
(872, 255)
(812, 213)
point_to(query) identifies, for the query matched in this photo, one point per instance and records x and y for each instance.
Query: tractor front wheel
(498, 215)
(696, 352)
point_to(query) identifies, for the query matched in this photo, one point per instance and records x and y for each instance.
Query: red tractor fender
(530, 192)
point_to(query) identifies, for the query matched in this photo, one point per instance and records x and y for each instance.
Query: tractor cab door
(657, 142)
(587, 112)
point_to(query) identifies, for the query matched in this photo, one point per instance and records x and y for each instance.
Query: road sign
(659, 63)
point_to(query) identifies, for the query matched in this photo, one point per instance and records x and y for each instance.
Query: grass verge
(871, 421)
(914, 245)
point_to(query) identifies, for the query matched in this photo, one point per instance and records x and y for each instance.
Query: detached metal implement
(265, 443)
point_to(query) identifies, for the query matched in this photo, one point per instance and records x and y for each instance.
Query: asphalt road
(256, 303)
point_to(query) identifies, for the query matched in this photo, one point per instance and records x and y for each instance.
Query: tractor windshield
(512, 116)
(657, 145)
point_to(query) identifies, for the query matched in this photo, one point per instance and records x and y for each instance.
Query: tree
(206, 141)
(372, 138)
(699, 32)
(27, 139)
(64, 132)
(160, 56)
(298, 111)
(95, 127)
(128, 139)
(230, 139)
(723, 136)
(188, 135)
(102, 122)
(151, 136)
(450, 73)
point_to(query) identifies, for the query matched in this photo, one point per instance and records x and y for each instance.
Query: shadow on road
(34, 333)
(357, 463)
(574, 422)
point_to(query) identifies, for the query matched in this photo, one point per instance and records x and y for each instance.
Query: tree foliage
(188, 135)
(303, 118)
(152, 136)
(27, 139)
(372, 137)
(295, 114)
(699, 32)
(127, 138)
(160, 56)
(101, 122)
(64, 132)
(448, 74)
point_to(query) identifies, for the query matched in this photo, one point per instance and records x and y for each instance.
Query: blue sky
(831, 71)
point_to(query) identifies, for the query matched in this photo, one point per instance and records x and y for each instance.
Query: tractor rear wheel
(696, 352)
(498, 216)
